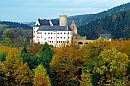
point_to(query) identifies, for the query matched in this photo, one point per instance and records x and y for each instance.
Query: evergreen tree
(45, 55)
(31, 60)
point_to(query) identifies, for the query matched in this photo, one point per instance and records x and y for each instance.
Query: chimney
(63, 20)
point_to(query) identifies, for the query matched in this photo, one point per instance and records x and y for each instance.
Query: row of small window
(57, 37)
(52, 33)
(54, 37)
(59, 41)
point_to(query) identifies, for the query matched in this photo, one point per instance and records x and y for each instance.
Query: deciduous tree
(112, 66)
(14, 71)
(67, 66)
(41, 78)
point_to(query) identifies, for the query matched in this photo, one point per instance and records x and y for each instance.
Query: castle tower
(74, 27)
(63, 20)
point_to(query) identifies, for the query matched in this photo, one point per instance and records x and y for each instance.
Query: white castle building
(54, 32)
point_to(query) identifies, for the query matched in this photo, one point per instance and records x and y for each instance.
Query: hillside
(13, 33)
(117, 24)
(9, 24)
(84, 19)
(87, 18)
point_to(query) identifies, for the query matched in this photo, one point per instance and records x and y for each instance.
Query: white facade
(56, 37)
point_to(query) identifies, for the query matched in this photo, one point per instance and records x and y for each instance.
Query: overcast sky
(30, 10)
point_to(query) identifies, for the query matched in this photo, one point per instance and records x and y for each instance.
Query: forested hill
(84, 19)
(13, 33)
(9, 24)
(117, 24)
(87, 18)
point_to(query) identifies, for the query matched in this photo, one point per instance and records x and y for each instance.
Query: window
(64, 32)
(68, 32)
(68, 37)
(61, 33)
(45, 33)
(61, 37)
(39, 32)
(64, 37)
(48, 33)
(51, 32)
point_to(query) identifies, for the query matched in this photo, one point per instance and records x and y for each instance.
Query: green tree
(27, 57)
(66, 65)
(2, 56)
(8, 33)
(45, 55)
(85, 78)
(112, 66)
(14, 70)
(41, 78)
(91, 52)
(6, 41)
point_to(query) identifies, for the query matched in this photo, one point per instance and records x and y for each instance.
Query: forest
(100, 63)
(84, 19)
(16, 25)
(118, 25)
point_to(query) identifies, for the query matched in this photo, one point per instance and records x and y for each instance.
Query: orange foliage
(34, 48)
(66, 61)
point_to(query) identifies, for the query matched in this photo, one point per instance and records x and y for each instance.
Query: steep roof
(54, 28)
(44, 22)
(56, 22)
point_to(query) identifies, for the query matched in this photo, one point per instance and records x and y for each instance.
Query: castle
(55, 33)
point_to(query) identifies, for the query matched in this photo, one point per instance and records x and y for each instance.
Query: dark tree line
(10, 24)
(118, 25)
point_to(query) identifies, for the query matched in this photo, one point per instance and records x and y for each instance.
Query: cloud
(88, 10)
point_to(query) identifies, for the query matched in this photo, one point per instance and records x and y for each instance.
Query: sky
(31, 10)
